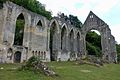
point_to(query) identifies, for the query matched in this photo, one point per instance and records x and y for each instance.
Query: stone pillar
(58, 46)
(26, 35)
(105, 36)
(67, 47)
(48, 56)
(83, 46)
(2, 16)
(75, 47)
(48, 45)
(105, 47)
(113, 54)
(67, 43)
(8, 25)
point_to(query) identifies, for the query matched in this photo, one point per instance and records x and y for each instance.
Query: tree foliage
(93, 50)
(75, 21)
(32, 5)
(118, 51)
(93, 44)
(93, 38)
(72, 19)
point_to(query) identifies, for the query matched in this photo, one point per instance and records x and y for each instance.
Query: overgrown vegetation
(72, 19)
(36, 65)
(30, 64)
(93, 44)
(118, 52)
(19, 31)
(32, 5)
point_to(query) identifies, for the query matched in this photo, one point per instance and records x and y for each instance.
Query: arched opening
(71, 43)
(17, 57)
(78, 44)
(63, 38)
(39, 25)
(19, 30)
(93, 43)
(53, 41)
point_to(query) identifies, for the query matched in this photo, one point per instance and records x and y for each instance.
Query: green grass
(66, 71)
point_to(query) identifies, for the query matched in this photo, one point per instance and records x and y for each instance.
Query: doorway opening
(17, 57)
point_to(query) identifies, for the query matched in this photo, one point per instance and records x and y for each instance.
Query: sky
(107, 10)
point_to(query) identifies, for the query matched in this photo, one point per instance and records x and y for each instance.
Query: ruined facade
(50, 40)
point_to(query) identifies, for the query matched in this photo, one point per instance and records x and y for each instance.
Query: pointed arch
(39, 25)
(63, 37)
(27, 17)
(65, 25)
(71, 40)
(19, 30)
(54, 39)
(71, 34)
(54, 25)
(78, 42)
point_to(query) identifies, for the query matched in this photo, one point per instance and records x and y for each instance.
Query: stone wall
(1, 24)
(68, 42)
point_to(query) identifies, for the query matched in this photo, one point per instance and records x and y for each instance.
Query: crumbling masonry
(51, 40)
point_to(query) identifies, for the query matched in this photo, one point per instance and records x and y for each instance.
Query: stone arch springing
(19, 30)
(54, 40)
(63, 38)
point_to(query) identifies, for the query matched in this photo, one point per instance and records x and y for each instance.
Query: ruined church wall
(1, 24)
(39, 37)
(36, 39)
(33, 39)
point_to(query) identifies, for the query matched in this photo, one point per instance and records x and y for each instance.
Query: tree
(32, 5)
(73, 19)
(118, 52)
(93, 44)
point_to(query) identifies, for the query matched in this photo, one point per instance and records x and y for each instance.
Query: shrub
(118, 58)
(30, 64)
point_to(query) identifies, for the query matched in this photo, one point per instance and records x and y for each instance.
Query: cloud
(81, 8)
(105, 6)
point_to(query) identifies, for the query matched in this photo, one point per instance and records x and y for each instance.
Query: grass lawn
(66, 71)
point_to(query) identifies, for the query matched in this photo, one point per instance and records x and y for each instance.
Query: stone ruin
(51, 40)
